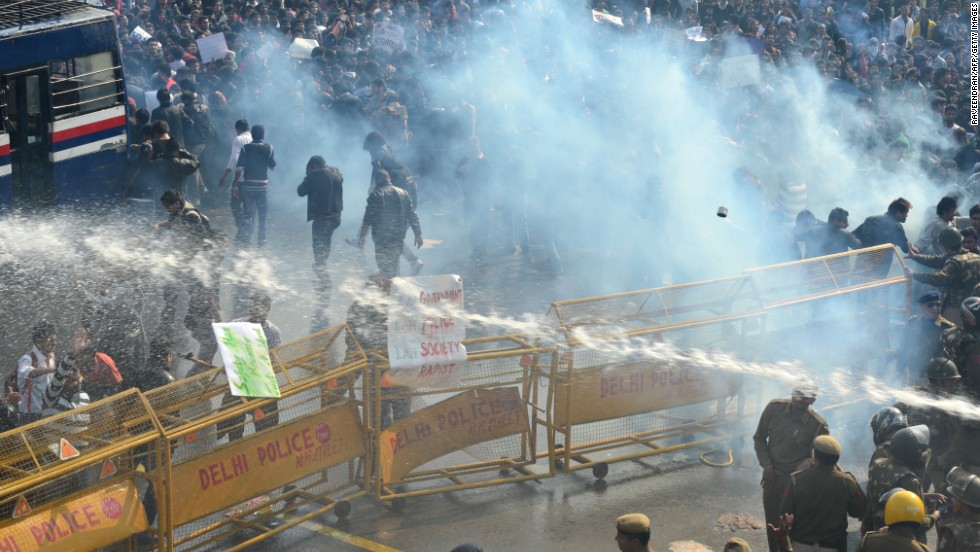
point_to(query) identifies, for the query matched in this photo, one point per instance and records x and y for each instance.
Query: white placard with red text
(425, 331)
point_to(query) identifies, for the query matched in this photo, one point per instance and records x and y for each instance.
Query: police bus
(62, 104)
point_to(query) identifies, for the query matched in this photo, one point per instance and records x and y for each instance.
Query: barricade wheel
(342, 509)
(600, 470)
(559, 465)
(398, 504)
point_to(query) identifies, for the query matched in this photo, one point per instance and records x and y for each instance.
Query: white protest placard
(302, 48)
(425, 330)
(245, 353)
(212, 47)
(140, 34)
(740, 71)
(150, 97)
(600, 17)
(388, 37)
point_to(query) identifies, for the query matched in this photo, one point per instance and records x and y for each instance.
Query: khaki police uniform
(896, 539)
(783, 441)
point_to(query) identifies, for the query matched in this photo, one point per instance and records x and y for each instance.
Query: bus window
(85, 84)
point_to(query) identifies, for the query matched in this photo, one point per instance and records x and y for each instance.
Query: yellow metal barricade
(627, 384)
(233, 466)
(76, 480)
(477, 434)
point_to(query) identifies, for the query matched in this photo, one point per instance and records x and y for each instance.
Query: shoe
(417, 267)
(351, 241)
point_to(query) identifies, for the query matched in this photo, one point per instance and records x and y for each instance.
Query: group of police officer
(923, 473)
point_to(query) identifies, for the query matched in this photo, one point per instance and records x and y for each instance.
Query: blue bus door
(28, 115)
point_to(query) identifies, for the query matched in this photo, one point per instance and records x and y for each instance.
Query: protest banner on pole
(245, 353)
(212, 47)
(388, 37)
(425, 330)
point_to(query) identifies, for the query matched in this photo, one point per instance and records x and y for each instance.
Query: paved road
(572, 511)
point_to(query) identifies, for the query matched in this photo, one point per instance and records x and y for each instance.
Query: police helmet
(904, 506)
(970, 310)
(942, 368)
(950, 238)
(886, 421)
(908, 444)
(965, 486)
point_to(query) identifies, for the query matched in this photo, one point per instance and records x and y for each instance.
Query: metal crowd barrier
(477, 434)
(191, 467)
(74, 481)
(234, 467)
(626, 389)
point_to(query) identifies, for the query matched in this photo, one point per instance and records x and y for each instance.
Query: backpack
(214, 240)
(183, 164)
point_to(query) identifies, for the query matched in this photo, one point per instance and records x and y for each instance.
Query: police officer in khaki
(962, 534)
(820, 499)
(783, 441)
(904, 514)
(958, 276)
(633, 533)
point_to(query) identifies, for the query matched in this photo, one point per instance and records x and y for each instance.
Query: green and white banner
(246, 355)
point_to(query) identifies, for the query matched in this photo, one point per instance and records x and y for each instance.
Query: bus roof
(27, 16)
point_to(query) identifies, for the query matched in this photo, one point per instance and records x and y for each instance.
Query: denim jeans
(255, 203)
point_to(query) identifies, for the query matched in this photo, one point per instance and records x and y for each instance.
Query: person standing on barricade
(389, 214)
(255, 161)
(820, 499)
(783, 441)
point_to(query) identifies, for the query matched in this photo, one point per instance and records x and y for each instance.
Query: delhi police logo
(111, 508)
(322, 433)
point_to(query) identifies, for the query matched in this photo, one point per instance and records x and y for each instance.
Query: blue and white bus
(62, 104)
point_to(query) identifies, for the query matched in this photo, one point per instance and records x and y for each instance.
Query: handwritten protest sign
(245, 353)
(212, 47)
(425, 327)
(388, 37)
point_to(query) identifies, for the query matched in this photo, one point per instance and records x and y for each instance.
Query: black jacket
(324, 189)
(389, 213)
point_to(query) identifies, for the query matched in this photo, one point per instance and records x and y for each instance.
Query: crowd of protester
(197, 135)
